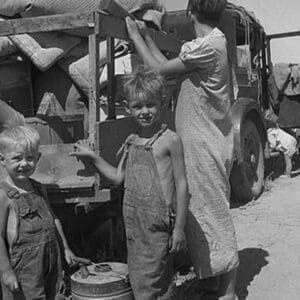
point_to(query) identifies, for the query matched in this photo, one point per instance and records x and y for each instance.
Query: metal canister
(104, 281)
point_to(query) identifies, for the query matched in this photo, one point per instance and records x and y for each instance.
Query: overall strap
(11, 192)
(156, 135)
(125, 145)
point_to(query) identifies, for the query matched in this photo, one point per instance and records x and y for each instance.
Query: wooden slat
(109, 26)
(115, 27)
(111, 81)
(73, 197)
(46, 23)
(94, 79)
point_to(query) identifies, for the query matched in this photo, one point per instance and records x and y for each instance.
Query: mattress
(51, 7)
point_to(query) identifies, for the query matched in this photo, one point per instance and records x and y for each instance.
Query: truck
(87, 204)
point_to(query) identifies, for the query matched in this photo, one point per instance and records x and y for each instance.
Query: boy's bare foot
(285, 176)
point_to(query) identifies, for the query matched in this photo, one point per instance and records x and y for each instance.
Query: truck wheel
(247, 178)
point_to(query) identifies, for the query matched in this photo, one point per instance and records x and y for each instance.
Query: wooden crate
(56, 130)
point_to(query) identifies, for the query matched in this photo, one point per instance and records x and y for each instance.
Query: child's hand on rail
(83, 149)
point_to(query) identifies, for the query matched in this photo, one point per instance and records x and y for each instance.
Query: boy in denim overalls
(30, 263)
(155, 186)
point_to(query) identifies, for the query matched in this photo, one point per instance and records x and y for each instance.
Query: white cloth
(282, 141)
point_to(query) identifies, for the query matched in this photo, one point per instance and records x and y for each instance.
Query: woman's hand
(135, 28)
(83, 149)
(141, 26)
(178, 241)
(9, 279)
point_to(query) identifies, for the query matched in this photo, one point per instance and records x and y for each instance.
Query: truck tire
(247, 178)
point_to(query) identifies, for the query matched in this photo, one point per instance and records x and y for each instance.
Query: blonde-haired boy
(153, 169)
(30, 260)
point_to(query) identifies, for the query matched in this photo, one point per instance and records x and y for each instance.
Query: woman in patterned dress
(204, 124)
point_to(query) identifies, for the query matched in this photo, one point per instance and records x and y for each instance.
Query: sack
(44, 49)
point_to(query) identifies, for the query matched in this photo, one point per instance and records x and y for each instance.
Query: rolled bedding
(10, 8)
(152, 10)
(50, 7)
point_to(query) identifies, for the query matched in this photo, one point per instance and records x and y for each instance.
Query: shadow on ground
(252, 260)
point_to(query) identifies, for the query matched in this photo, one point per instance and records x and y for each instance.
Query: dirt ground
(268, 234)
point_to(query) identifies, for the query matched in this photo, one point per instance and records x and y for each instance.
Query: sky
(275, 16)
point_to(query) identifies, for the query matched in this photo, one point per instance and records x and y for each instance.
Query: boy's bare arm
(7, 274)
(182, 196)
(69, 255)
(116, 175)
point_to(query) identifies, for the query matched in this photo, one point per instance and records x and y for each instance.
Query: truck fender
(242, 109)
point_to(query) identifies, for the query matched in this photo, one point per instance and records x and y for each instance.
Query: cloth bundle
(287, 77)
(10, 8)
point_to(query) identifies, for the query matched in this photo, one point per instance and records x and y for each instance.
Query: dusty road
(268, 233)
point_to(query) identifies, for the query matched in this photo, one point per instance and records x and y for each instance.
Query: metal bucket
(105, 281)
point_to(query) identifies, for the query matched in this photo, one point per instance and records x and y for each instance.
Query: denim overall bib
(148, 225)
(34, 253)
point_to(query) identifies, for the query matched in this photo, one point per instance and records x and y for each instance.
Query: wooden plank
(46, 23)
(94, 79)
(73, 197)
(50, 106)
(110, 26)
(111, 80)
(115, 27)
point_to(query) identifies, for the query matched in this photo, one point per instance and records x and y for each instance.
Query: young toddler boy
(280, 140)
(30, 264)
(152, 166)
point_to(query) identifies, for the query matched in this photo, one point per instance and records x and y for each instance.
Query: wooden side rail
(109, 26)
